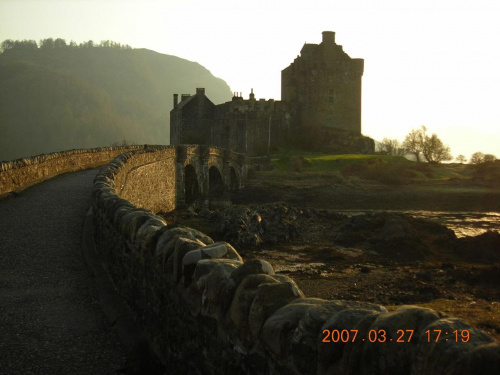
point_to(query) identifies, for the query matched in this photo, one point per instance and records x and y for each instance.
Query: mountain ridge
(81, 97)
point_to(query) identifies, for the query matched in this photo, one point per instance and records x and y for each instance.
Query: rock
(352, 356)
(219, 250)
(182, 247)
(484, 359)
(330, 353)
(304, 341)
(251, 267)
(268, 299)
(258, 224)
(188, 233)
(388, 354)
(132, 221)
(242, 302)
(450, 354)
(212, 285)
(484, 247)
(147, 235)
(120, 213)
(394, 234)
(278, 330)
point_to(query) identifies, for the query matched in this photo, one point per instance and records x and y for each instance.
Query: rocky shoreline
(383, 257)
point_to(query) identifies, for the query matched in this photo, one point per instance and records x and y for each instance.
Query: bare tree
(431, 147)
(414, 142)
(392, 147)
(434, 150)
(461, 159)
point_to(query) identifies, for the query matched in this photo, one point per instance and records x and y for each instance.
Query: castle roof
(308, 47)
(185, 101)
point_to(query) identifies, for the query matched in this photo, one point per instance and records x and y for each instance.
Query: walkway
(50, 318)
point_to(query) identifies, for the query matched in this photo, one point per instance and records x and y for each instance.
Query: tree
(431, 147)
(7, 45)
(60, 43)
(414, 141)
(25, 44)
(392, 147)
(88, 44)
(477, 158)
(461, 159)
(47, 43)
(434, 150)
(488, 158)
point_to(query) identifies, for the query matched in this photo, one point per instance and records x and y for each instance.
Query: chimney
(200, 91)
(252, 95)
(184, 96)
(328, 37)
(176, 100)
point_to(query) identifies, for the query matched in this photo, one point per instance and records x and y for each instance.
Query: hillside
(64, 98)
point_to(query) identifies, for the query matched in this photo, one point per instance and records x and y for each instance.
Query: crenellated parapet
(206, 310)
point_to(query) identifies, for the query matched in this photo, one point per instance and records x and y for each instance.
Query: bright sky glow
(427, 62)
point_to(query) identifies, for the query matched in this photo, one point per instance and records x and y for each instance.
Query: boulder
(268, 299)
(450, 354)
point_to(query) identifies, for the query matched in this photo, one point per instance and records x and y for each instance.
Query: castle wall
(205, 310)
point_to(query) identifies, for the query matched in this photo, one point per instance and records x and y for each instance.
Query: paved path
(50, 318)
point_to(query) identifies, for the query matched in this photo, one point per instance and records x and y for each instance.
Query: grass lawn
(330, 163)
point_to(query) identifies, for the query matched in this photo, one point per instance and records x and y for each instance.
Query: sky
(427, 62)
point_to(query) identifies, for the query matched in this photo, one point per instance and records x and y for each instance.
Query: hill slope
(64, 98)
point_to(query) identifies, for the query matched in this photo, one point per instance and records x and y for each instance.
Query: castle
(320, 91)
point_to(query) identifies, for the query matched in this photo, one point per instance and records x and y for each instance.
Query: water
(462, 223)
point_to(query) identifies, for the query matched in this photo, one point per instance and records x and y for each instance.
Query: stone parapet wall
(20, 173)
(147, 179)
(207, 311)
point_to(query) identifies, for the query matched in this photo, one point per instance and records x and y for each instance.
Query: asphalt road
(50, 319)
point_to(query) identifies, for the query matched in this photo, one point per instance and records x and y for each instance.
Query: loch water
(462, 223)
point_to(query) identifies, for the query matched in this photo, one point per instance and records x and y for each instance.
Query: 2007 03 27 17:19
(401, 336)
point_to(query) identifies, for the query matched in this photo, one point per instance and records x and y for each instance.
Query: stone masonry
(320, 89)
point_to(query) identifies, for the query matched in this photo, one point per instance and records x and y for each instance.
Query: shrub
(298, 163)
(423, 168)
(354, 169)
(377, 170)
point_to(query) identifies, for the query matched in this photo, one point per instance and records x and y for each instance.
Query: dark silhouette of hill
(54, 99)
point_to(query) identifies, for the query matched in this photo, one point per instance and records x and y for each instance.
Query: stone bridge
(162, 178)
(183, 174)
(176, 296)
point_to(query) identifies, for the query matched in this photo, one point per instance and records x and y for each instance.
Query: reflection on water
(462, 223)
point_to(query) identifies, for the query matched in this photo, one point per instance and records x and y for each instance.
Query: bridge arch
(215, 183)
(191, 185)
(233, 179)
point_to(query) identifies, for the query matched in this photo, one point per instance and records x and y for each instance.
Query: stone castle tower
(322, 87)
(321, 98)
